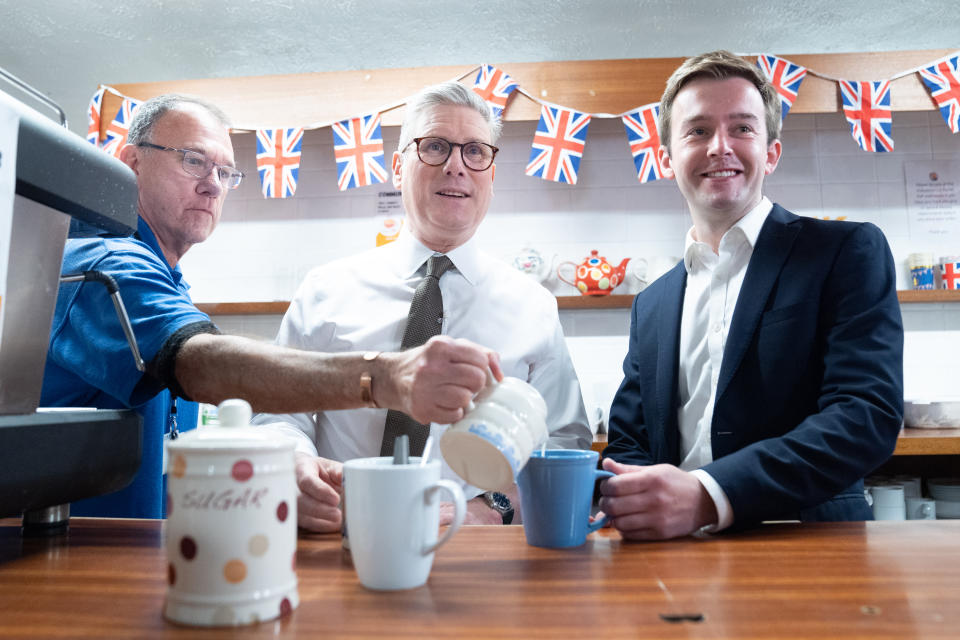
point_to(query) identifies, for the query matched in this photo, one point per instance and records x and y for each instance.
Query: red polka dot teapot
(594, 276)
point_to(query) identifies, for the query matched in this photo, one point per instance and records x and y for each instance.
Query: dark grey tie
(423, 322)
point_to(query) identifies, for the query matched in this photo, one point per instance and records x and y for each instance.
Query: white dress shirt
(713, 286)
(360, 303)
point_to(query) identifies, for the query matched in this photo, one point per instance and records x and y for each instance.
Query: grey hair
(445, 93)
(150, 112)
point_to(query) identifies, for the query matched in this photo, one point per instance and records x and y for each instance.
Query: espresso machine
(49, 458)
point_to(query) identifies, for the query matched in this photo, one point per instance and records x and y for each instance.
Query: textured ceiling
(66, 47)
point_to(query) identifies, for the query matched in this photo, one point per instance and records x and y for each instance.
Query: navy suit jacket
(810, 394)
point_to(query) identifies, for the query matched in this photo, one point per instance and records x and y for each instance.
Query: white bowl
(945, 488)
(931, 414)
(948, 509)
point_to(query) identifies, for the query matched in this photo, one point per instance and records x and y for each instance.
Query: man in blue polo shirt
(180, 151)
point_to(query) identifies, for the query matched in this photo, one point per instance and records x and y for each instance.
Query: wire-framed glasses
(199, 166)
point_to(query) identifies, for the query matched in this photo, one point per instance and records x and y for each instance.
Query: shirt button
(717, 327)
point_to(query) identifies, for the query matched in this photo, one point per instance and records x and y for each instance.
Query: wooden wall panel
(595, 86)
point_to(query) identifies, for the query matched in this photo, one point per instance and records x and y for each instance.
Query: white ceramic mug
(636, 278)
(231, 531)
(911, 485)
(921, 509)
(490, 444)
(888, 502)
(393, 515)
(659, 265)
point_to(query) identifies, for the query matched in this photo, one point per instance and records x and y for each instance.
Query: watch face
(498, 501)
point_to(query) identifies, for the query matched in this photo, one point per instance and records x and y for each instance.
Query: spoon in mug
(426, 451)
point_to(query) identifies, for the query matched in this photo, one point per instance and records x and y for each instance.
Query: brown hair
(719, 65)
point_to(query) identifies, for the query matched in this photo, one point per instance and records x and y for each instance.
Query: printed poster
(389, 216)
(933, 201)
(9, 129)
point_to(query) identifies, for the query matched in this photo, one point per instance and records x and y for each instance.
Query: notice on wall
(9, 129)
(933, 199)
(389, 204)
(389, 216)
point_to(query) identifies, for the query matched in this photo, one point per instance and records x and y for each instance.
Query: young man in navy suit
(764, 377)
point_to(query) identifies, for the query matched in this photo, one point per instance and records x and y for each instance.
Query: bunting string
(560, 139)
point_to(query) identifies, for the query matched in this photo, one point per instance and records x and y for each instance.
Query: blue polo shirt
(89, 363)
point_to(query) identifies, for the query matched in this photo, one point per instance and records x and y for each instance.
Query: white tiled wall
(263, 248)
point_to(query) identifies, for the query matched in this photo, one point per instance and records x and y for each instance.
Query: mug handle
(560, 274)
(599, 474)
(491, 382)
(460, 510)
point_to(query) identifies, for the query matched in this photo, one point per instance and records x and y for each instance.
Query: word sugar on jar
(231, 531)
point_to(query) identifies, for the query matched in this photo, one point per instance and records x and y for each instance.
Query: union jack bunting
(943, 80)
(93, 117)
(119, 127)
(558, 144)
(278, 161)
(866, 106)
(358, 150)
(495, 87)
(785, 77)
(644, 139)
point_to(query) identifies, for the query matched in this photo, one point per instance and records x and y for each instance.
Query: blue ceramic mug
(556, 492)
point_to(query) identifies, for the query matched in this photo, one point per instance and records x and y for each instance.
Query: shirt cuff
(720, 501)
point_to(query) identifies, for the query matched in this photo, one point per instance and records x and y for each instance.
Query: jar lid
(234, 433)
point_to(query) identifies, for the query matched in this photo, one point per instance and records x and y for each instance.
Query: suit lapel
(773, 246)
(668, 354)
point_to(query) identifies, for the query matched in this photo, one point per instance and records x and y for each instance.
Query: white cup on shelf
(888, 502)
(921, 508)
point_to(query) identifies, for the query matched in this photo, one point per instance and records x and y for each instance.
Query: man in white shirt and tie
(444, 167)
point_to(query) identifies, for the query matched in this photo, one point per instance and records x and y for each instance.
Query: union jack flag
(785, 78)
(558, 144)
(867, 108)
(495, 87)
(119, 127)
(644, 139)
(358, 150)
(93, 117)
(950, 275)
(278, 161)
(943, 80)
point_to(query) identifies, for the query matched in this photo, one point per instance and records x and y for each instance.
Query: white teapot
(529, 261)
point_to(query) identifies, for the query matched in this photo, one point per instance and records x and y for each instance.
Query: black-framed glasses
(477, 156)
(199, 166)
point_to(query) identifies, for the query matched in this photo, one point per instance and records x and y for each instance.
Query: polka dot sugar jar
(231, 531)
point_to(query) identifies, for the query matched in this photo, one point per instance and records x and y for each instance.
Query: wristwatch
(366, 382)
(499, 503)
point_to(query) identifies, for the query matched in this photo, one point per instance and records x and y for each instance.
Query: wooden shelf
(912, 442)
(274, 307)
(928, 442)
(594, 302)
(278, 307)
(933, 295)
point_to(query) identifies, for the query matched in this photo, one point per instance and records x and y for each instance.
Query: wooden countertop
(107, 579)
